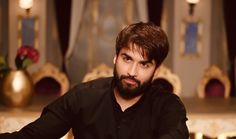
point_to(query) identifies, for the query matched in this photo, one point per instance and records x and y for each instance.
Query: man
(125, 106)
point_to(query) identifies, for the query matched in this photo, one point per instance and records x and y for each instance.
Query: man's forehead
(134, 48)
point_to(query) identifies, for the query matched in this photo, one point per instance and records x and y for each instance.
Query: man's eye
(145, 65)
(126, 59)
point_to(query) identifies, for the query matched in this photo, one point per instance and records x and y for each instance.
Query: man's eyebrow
(146, 62)
(126, 55)
(143, 61)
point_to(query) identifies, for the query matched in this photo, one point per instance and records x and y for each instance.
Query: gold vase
(17, 88)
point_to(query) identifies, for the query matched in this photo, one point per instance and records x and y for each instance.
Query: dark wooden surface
(36, 105)
(212, 105)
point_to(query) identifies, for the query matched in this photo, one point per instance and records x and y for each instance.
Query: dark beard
(125, 90)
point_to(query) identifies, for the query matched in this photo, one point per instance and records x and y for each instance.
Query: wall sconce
(27, 25)
(192, 4)
(26, 4)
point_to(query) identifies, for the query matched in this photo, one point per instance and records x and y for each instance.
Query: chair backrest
(227, 135)
(167, 80)
(100, 71)
(214, 83)
(163, 77)
(50, 80)
(197, 135)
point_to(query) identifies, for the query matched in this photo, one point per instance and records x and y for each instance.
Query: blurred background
(76, 36)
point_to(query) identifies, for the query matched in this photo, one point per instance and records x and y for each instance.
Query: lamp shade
(26, 4)
(193, 1)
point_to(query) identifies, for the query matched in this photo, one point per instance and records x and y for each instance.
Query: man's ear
(114, 59)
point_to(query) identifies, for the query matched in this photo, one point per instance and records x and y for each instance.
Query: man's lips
(130, 81)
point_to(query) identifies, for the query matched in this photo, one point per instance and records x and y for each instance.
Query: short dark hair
(150, 38)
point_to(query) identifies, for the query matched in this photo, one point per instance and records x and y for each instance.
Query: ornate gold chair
(196, 136)
(199, 135)
(49, 80)
(100, 71)
(214, 83)
(167, 80)
(163, 76)
(228, 135)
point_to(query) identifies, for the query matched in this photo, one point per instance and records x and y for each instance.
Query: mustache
(130, 78)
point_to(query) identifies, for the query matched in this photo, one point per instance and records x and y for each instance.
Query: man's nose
(133, 70)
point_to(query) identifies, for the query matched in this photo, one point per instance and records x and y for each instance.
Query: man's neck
(125, 103)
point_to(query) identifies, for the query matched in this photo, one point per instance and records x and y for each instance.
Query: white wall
(190, 70)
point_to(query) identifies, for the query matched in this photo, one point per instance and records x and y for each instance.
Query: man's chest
(106, 122)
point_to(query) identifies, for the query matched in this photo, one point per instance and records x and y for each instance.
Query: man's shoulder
(158, 93)
(87, 95)
(97, 83)
(96, 86)
(163, 97)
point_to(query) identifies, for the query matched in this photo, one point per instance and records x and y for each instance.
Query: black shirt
(92, 112)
